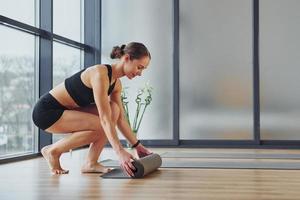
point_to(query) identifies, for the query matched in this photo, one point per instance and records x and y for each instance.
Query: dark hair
(134, 49)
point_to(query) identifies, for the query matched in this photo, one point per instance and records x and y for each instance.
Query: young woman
(88, 105)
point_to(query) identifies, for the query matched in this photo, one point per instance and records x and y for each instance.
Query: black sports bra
(82, 94)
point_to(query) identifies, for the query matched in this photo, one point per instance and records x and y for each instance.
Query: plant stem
(136, 115)
(127, 115)
(141, 117)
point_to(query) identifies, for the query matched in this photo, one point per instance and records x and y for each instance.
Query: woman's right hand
(125, 159)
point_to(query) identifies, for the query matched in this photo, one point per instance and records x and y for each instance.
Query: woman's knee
(100, 136)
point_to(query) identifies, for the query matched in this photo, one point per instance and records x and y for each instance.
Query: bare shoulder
(97, 69)
(94, 72)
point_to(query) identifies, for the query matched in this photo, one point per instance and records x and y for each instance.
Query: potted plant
(143, 100)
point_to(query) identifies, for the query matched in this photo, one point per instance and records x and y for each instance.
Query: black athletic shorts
(47, 111)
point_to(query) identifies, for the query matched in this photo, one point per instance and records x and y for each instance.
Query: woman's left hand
(142, 151)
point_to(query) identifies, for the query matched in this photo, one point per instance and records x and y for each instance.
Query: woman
(88, 105)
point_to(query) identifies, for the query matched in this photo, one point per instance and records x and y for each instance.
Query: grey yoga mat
(144, 166)
(229, 155)
(223, 164)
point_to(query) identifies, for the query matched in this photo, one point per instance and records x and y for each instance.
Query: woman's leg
(91, 164)
(53, 152)
(85, 128)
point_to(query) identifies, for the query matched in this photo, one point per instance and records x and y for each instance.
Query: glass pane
(140, 21)
(67, 13)
(216, 69)
(66, 61)
(17, 92)
(279, 69)
(21, 10)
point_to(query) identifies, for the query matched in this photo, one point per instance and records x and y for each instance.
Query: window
(140, 21)
(279, 73)
(216, 70)
(17, 92)
(21, 10)
(67, 18)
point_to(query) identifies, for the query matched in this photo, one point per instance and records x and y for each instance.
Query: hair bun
(117, 52)
(123, 46)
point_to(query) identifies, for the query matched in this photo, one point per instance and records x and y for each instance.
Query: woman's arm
(100, 85)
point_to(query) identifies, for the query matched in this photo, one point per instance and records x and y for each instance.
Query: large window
(17, 92)
(26, 55)
(149, 22)
(279, 56)
(217, 57)
(216, 70)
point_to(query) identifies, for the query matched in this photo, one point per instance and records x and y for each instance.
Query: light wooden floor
(31, 179)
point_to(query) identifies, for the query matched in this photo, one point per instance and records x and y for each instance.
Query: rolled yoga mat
(144, 166)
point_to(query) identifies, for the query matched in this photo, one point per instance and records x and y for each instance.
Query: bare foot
(53, 161)
(94, 168)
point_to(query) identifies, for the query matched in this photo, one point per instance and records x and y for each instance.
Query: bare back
(61, 94)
